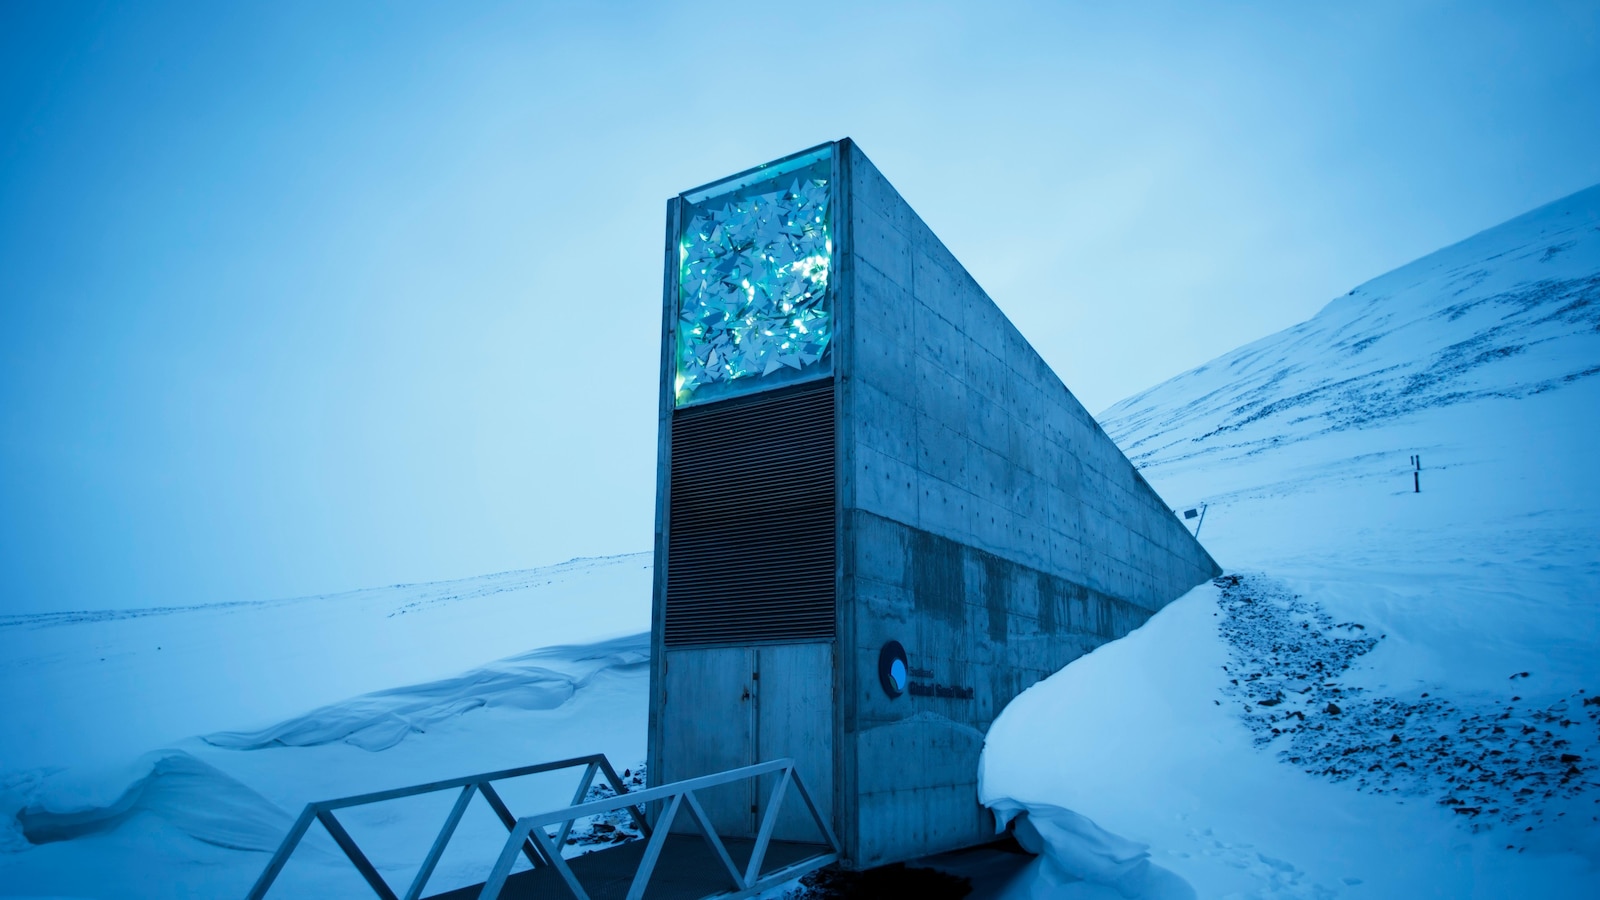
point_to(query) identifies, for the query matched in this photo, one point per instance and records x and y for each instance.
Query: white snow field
(1391, 694)
(296, 701)
(1398, 695)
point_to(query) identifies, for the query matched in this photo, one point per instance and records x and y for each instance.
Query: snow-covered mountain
(1508, 313)
(1395, 692)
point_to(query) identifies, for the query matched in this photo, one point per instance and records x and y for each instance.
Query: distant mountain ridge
(1509, 312)
(417, 594)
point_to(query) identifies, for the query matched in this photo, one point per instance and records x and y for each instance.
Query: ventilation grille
(750, 540)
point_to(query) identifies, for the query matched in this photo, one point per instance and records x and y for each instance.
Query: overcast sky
(304, 297)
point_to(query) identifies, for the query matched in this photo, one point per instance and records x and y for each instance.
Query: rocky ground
(1509, 763)
(609, 828)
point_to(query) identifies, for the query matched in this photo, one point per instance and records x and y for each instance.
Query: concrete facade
(985, 522)
(991, 527)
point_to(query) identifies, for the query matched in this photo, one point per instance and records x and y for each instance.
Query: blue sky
(302, 297)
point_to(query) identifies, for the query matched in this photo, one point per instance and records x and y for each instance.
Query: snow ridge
(199, 799)
(382, 719)
(418, 595)
(1511, 312)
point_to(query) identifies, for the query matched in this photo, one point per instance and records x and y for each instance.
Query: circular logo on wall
(893, 670)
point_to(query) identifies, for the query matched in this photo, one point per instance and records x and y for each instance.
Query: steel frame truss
(674, 798)
(540, 850)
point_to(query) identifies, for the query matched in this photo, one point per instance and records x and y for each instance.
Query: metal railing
(539, 853)
(676, 796)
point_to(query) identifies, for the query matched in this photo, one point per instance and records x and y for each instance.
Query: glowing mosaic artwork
(753, 301)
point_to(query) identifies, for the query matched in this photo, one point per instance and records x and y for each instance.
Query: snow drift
(197, 798)
(383, 719)
(173, 822)
(94, 688)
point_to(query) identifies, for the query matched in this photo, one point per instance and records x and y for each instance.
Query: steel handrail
(322, 811)
(676, 796)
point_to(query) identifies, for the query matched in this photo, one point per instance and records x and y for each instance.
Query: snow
(258, 709)
(1479, 358)
(161, 753)
(98, 687)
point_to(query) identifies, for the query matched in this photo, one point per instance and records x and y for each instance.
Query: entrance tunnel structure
(880, 515)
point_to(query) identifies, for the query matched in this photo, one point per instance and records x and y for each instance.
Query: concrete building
(880, 515)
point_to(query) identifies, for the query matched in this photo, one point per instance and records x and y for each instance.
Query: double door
(727, 707)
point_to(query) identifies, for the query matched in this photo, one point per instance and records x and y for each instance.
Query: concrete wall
(990, 526)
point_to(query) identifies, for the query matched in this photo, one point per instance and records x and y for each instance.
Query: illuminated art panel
(754, 306)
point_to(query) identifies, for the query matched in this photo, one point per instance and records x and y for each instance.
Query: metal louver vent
(750, 525)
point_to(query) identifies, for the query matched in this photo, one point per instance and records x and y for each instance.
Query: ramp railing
(538, 852)
(674, 797)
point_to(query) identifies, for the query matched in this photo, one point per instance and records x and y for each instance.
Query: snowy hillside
(1509, 313)
(1393, 694)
